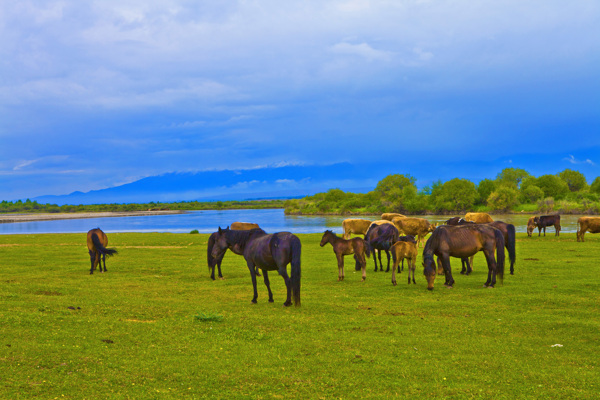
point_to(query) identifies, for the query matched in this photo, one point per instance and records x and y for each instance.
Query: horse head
(220, 245)
(326, 237)
(429, 270)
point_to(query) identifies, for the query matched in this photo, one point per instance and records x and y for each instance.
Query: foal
(343, 247)
(400, 251)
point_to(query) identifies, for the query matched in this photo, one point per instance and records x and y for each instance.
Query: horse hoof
(271, 301)
(449, 286)
(394, 283)
(221, 278)
(254, 302)
(490, 287)
(363, 279)
(286, 304)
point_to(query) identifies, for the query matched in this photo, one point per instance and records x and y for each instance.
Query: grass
(156, 327)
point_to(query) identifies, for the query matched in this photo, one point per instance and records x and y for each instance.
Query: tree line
(29, 206)
(513, 190)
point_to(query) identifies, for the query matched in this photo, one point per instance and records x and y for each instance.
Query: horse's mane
(242, 237)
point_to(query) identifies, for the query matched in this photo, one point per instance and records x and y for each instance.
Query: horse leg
(218, 266)
(375, 260)
(340, 260)
(413, 268)
(253, 275)
(470, 265)
(103, 263)
(440, 266)
(92, 259)
(491, 262)
(447, 271)
(267, 284)
(464, 269)
(288, 284)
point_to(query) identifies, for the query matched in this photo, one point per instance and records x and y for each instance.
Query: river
(271, 220)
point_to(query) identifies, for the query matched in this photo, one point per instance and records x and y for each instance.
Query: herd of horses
(459, 237)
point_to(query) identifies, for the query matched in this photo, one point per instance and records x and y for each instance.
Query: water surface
(206, 221)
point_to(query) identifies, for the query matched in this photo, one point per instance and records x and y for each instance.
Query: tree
(574, 179)
(531, 194)
(503, 198)
(595, 186)
(485, 188)
(553, 186)
(456, 195)
(512, 176)
(390, 190)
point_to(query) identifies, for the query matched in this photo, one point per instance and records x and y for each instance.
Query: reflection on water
(272, 220)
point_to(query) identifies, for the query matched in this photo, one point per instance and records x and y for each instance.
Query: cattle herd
(395, 234)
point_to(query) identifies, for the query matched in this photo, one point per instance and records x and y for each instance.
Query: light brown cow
(530, 226)
(587, 224)
(417, 227)
(478, 218)
(356, 226)
(391, 216)
(400, 251)
(380, 222)
(243, 226)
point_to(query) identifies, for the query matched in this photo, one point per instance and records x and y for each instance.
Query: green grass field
(155, 326)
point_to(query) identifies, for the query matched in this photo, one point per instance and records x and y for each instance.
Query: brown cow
(243, 226)
(418, 227)
(96, 243)
(478, 218)
(530, 226)
(400, 251)
(355, 225)
(391, 216)
(587, 224)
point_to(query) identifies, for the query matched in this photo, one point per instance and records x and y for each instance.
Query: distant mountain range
(260, 183)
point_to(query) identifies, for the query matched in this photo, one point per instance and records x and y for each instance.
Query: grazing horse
(96, 243)
(547, 220)
(400, 251)
(530, 226)
(463, 241)
(212, 261)
(466, 266)
(382, 237)
(343, 247)
(267, 252)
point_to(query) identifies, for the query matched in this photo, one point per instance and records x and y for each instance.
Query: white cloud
(573, 160)
(363, 50)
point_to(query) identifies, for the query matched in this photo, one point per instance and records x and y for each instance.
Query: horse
(268, 252)
(409, 239)
(463, 241)
(401, 250)
(212, 261)
(382, 237)
(342, 247)
(96, 244)
(530, 226)
(547, 220)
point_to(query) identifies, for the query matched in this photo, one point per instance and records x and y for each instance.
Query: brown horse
(243, 226)
(463, 241)
(343, 247)
(400, 251)
(381, 238)
(96, 243)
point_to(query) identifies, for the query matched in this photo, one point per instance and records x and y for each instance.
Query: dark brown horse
(96, 243)
(463, 241)
(382, 237)
(343, 247)
(547, 220)
(212, 261)
(267, 252)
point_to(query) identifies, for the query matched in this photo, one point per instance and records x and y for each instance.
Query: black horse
(267, 252)
(212, 261)
(463, 241)
(382, 237)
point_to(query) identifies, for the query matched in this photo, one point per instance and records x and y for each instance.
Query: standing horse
(401, 250)
(343, 247)
(382, 237)
(463, 241)
(212, 261)
(96, 244)
(267, 252)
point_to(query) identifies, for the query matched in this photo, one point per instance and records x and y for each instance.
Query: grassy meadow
(155, 326)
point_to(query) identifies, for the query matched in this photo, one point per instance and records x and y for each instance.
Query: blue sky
(96, 94)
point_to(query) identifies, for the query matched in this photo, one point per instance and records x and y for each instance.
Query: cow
(587, 224)
(391, 216)
(243, 226)
(478, 218)
(418, 227)
(530, 226)
(547, 220)
(355, 225)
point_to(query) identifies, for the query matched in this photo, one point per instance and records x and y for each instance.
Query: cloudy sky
(95, 94)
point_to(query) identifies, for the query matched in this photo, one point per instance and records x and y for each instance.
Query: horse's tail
(98, 245)
(368, 248)
(296, 248)
(209, 257)
(510, 246)
(499, 254)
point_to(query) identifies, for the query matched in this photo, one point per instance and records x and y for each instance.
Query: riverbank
(12, 218)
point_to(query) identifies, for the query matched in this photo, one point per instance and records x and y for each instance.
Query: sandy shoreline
(10, 218)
